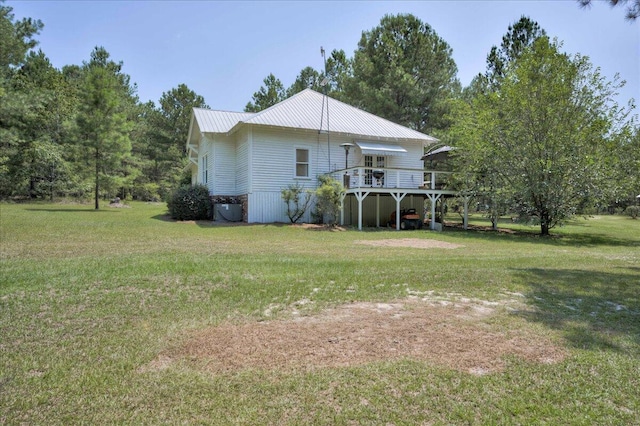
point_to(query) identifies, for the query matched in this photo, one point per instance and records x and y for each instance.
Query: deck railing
(392, 178)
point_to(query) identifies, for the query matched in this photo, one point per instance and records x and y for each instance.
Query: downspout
(249, 171)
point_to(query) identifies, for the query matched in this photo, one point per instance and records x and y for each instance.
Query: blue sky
(223, 50)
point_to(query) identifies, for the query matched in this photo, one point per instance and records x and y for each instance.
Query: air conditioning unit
(227, 212)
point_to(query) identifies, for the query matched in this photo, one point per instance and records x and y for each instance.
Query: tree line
(537, 134)
(81, 131)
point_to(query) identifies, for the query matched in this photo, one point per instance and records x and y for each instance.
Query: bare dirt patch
(319, 227)
(456, 336)
(410, 242)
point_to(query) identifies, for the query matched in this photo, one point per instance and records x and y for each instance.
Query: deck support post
(433, 198)
(360, 196)
(398, 196)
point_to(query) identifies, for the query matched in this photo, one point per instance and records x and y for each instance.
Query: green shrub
(190, 203)
(633, 211)
(328, 196)
(146, 192)
(297, 199)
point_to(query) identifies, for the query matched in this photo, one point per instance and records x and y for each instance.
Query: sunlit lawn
(88, 297)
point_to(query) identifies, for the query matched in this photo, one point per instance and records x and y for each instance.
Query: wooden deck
(397, 183)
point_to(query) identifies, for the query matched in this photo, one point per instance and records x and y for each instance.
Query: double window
(371, 162)
(302, 163)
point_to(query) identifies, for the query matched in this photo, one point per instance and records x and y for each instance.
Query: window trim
(296, 163)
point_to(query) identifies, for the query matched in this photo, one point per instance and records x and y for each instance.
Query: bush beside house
(190, 203)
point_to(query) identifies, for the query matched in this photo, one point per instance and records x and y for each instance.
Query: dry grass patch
(459, 336)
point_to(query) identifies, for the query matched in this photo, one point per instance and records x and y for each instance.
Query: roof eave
(190, 129)
(424, 141)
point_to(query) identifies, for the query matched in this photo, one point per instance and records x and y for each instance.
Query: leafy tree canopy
(518, 38)
(541, 143)
(308, 78)
(16, 37)
(403, 71)
(176, 107)
(268, 95)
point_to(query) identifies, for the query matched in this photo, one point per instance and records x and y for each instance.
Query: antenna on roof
(323, 83)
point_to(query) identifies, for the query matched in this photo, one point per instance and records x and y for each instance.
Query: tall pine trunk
(97, 186)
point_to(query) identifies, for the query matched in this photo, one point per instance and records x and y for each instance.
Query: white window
(302, 163)
(205, 169)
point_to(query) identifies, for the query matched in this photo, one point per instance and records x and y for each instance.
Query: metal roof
(310, 110)
(212, 121)
(441, 153)
(380, 149)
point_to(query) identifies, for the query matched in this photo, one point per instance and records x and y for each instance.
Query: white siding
(273, 169)
(269, 207)
(242, 163)
(261, 162)
(205, 151)
(266, 207)
(411, 160)
(272, 153)
(224, 156)
(273, 160)
(228, 158)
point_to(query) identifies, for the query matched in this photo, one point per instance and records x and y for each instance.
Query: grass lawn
(92, 302)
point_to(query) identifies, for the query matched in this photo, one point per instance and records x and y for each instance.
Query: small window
(302, 163)
(205, 169)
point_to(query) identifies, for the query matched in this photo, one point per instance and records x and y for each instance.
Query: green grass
(88, 297)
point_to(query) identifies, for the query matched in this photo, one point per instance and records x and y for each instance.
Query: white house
(248, 158)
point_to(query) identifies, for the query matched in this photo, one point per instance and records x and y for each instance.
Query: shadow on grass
(74, 210)
(200, 223)
(555, 239)
(590, 240)
(163, 218)
(593, 310)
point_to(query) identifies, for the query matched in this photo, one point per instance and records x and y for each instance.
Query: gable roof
(211, 121)
(310, 110)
